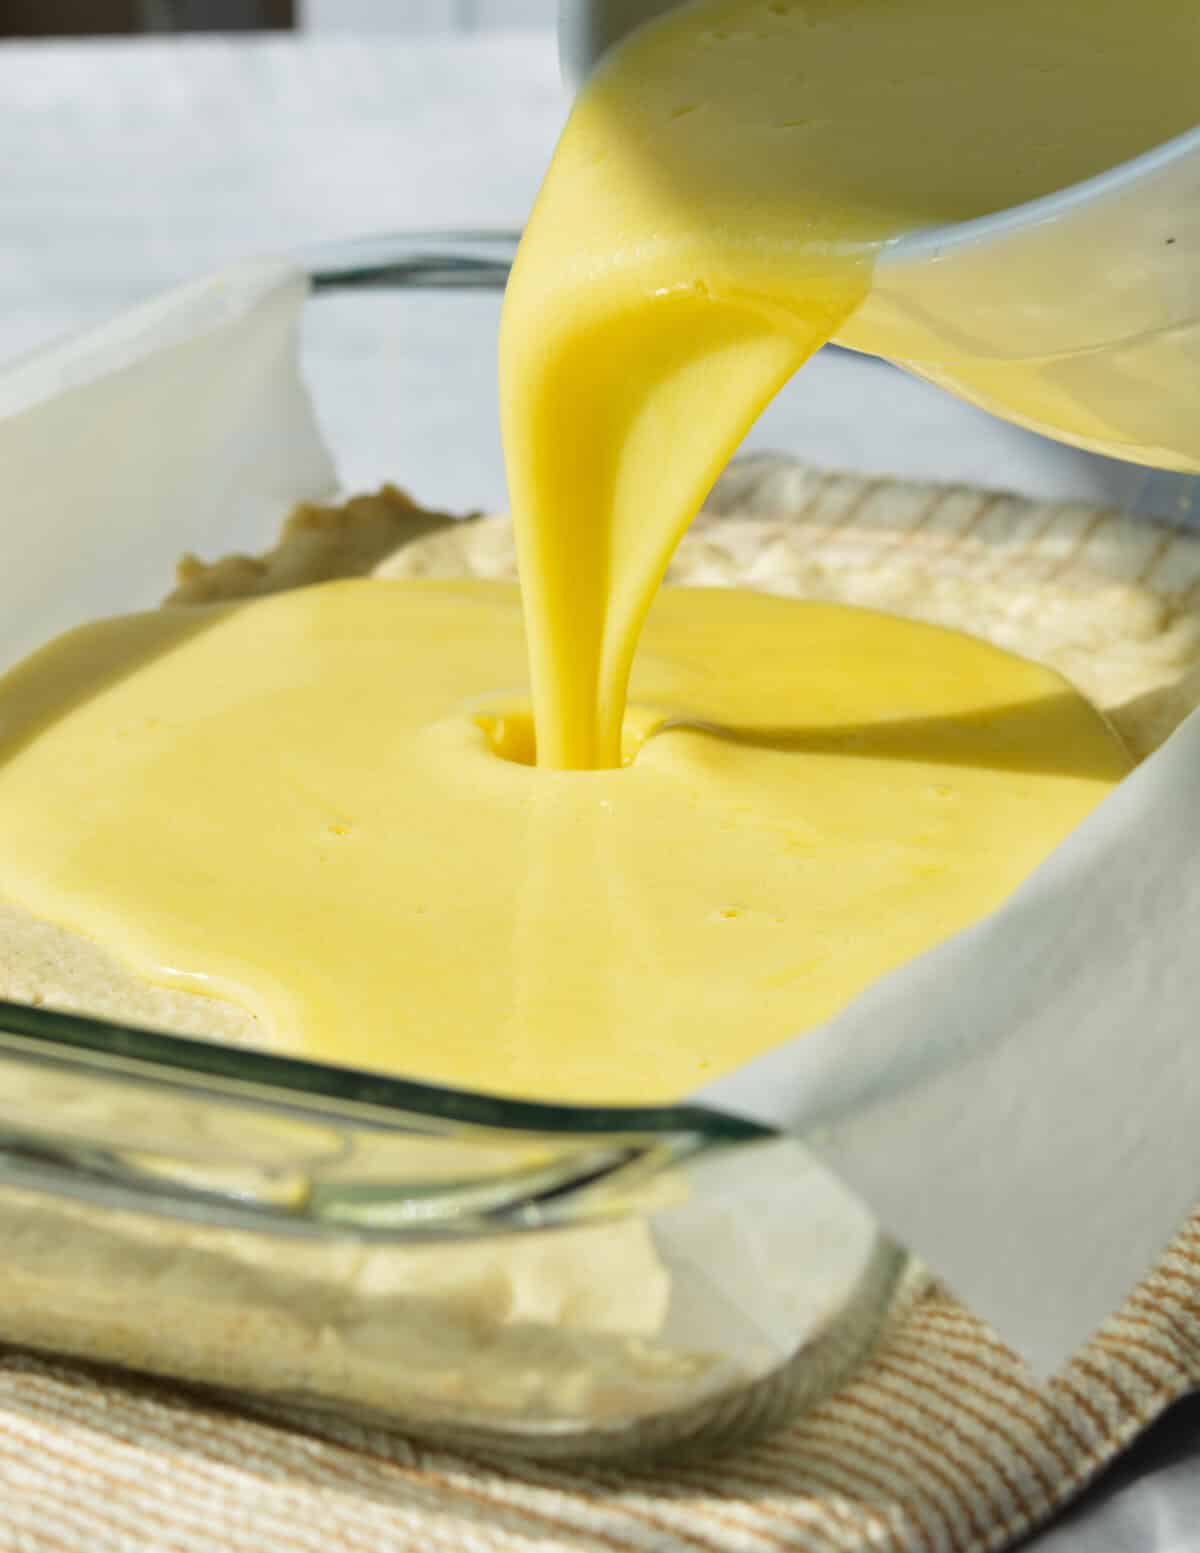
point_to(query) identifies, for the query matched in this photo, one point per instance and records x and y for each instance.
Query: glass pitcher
(1076, 315)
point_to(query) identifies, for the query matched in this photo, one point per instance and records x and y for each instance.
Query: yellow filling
(296, 803)
(323, 804)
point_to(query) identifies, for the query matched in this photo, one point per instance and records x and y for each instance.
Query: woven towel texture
(940, 1444)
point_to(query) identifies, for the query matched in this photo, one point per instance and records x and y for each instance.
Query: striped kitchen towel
(941, 1443)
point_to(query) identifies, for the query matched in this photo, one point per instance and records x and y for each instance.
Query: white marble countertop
(132, 165)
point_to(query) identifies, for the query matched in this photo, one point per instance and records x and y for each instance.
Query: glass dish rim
(63, 1038)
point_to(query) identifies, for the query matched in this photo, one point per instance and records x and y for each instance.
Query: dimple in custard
(299, 803)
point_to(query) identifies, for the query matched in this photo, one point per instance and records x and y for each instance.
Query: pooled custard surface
(315, 804)
(711, 217)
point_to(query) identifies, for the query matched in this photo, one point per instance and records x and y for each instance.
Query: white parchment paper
(180, 425)
(1021, 1105)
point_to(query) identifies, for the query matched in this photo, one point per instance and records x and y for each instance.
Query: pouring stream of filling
(711, 217)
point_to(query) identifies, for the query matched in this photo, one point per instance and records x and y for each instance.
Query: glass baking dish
(543, 1279)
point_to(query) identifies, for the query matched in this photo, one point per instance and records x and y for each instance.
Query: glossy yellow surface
(296, 803)
(710, 219)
